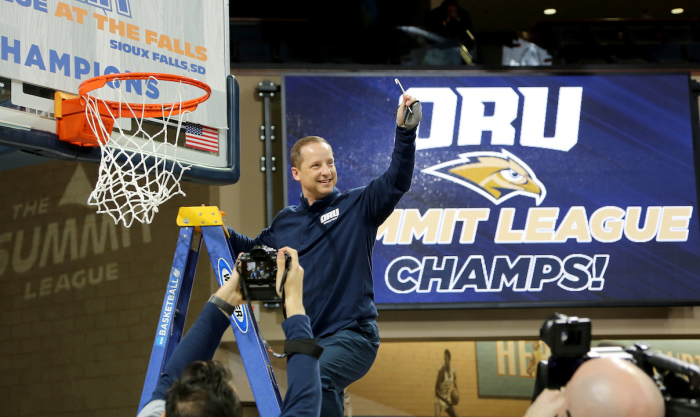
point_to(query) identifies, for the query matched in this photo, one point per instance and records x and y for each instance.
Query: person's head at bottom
(203, 389)
(604, 387)
(612, 387)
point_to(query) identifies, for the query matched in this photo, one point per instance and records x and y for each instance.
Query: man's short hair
(295, 154)
(202, 390)
(447, 353)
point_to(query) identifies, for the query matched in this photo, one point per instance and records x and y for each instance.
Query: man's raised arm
(385, 191)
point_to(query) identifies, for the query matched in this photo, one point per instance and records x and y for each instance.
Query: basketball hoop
(128, 188)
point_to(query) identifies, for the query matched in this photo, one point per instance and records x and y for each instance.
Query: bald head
(609, 387)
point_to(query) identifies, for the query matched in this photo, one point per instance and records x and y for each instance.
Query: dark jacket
(335, 248)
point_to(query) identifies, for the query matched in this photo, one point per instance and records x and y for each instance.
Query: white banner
(59, 44)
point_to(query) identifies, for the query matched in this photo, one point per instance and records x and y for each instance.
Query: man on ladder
(334, 233)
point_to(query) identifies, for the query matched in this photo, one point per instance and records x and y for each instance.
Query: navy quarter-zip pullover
(335, 238)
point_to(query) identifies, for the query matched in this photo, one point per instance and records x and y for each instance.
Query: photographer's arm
(303, 396)
(294, 285)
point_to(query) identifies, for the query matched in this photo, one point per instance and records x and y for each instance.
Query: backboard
(50, 45)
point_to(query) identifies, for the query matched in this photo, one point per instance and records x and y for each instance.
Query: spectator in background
(451, 22)
(453, 26)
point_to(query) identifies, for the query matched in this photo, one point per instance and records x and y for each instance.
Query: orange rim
(139, 109)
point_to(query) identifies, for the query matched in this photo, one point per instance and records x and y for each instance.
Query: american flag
(201, 137)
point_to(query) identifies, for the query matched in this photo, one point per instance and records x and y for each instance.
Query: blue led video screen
(527, 190)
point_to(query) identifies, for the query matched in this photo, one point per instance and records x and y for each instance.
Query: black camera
(258, 270)
(569, 339)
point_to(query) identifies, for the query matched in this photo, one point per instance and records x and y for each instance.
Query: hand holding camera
(230, 292)
(288, 259)
(262, 271)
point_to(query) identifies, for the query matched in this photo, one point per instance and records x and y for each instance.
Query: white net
(139, 170)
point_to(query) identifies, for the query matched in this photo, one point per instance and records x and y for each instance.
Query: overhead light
(550, 12)
(677, 11)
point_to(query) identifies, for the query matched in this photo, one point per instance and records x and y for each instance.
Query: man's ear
(163, 415)
(295, 174)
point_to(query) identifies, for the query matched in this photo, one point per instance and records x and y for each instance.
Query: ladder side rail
(183, 269)
(183, 300)
(254, 356)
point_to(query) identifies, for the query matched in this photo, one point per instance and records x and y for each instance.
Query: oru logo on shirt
(330, 216)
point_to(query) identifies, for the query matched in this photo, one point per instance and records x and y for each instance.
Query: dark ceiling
(487, 16)
(504, 15)
(365, 31)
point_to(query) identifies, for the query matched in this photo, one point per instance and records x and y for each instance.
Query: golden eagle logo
(496, 176)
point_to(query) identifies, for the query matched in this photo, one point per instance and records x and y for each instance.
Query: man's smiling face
(316, 171)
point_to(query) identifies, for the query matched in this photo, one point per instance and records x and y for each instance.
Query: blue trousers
(347, 356)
